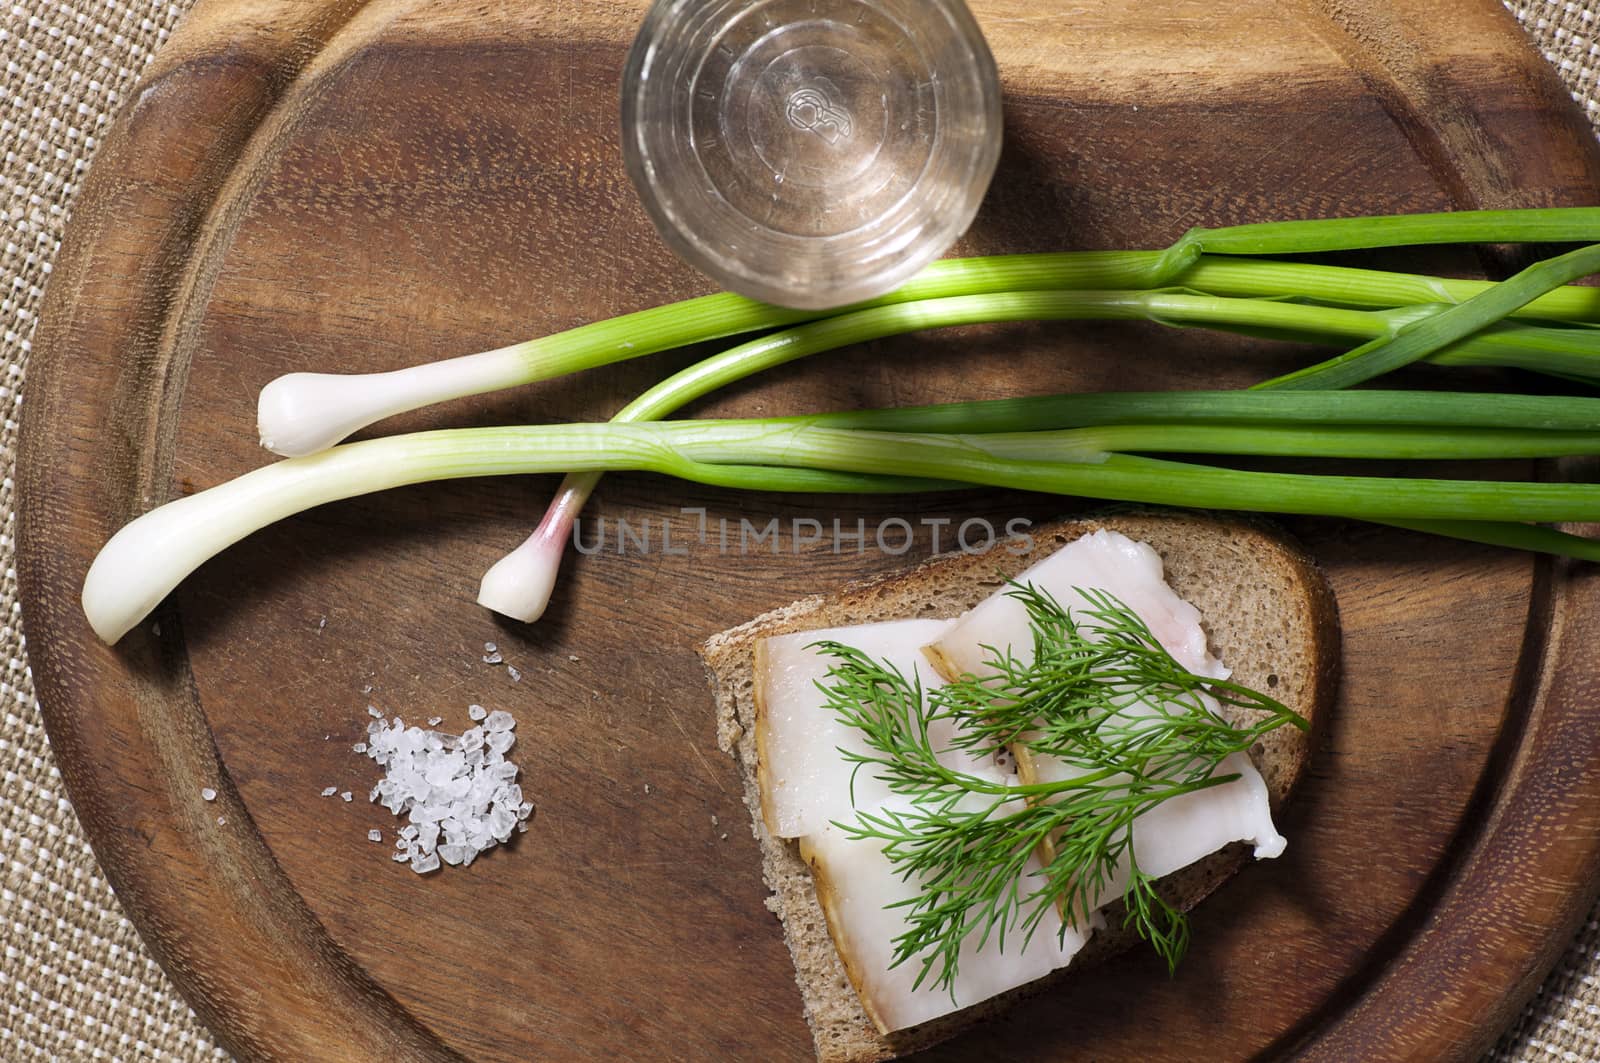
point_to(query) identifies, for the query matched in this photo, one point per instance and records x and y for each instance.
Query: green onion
(519, 585)
(151, 555)
(1402, 319)
(1369, 407)
(1532, 538)
(304, 412)
(1368, 288)
(1296, 441)
(1427, 335)
(1539, 225)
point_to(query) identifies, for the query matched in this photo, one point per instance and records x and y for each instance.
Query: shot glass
(810, 153)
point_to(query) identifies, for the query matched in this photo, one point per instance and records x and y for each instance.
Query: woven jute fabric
(75, 981)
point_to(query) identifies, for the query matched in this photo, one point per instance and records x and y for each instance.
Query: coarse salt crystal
(347, 796)
(359, 747)
(493, 658)
(374, 835)
(330, 791)
(372, 710)
(489, 647)
(208, 794)
(516, 676)
(501, 820)
(458, 792)
(435, 721)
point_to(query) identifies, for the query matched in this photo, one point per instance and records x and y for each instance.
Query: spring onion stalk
(1040, 413)
(1121, 478)
(1546, 351)
(1396, 408)
(305, 412)
(519, 584)
(1538, 225)
(1295, 441)
(1369, 288)
(1506, 345)
(302, 413)
(145, 560)
(1568, 353)
(1426, 335)
(1290, 409)
(1531, 538)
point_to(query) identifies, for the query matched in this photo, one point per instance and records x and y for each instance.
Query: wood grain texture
(365, 185)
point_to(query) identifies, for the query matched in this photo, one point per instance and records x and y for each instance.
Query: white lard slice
(1175, 833)
(805, 783)
(806, 786)
(856, 884)
(1102, 560)
(1181, 830)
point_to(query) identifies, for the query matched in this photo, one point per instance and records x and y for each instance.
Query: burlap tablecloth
(75, 981)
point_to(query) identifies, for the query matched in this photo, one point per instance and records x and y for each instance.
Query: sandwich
(1234, 605)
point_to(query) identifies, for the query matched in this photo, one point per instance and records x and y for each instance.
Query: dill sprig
(1130, 728)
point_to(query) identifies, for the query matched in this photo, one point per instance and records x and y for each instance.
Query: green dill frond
(1131, 728)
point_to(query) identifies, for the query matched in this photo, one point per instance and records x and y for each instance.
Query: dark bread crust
(1269, 615)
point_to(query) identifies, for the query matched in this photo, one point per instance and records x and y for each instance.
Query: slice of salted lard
(1175, 833)
(1103, 560)
(806, 788)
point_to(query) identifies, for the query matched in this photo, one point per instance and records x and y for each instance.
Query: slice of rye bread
(1270, 617)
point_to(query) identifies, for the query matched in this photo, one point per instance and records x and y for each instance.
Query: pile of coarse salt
(459, 792)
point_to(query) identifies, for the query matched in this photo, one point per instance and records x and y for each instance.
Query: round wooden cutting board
(340, 185)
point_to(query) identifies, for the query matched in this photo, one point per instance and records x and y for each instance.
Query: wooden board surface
(345, 185)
